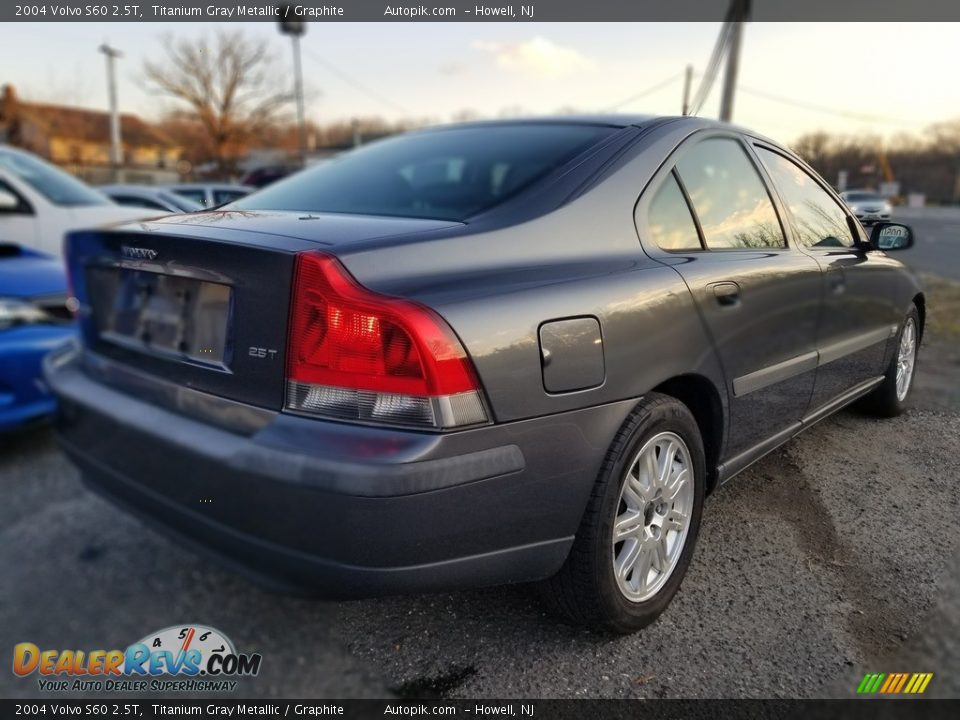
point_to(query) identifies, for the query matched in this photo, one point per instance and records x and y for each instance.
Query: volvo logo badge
(138, 253)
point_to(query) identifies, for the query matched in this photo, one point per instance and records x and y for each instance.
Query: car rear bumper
(24, 397)
(338, 509)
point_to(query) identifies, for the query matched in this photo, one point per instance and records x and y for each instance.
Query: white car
(39, 203)
(868, 206)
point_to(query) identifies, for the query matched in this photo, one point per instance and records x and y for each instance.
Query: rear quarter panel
(496, 288)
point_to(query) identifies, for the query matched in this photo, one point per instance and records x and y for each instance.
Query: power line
(353, 82)
(823, 109)
(649, 91)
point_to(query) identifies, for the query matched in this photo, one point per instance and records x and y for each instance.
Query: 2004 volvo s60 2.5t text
(488, 353)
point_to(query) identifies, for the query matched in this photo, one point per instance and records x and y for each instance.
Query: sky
(839, 77)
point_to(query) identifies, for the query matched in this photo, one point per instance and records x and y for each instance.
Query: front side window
(729, 198)
(669, 223)
(818, 219)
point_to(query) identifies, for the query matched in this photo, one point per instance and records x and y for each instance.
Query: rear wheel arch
(703, 401)
(920, 301)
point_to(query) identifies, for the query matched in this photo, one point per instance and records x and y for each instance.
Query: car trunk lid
(209, 315)
(202, 300)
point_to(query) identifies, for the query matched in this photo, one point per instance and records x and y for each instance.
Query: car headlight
(855, 208)
(887, 208)
(20, 312)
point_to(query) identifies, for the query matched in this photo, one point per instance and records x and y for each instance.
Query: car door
(713, 219)
(858, 319)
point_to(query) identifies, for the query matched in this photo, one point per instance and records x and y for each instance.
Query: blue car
(34, 319)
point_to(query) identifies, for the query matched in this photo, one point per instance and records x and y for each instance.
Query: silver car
(152, 198)
(869, 207)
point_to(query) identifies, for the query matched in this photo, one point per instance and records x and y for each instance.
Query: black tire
(585, 590)
(883, 401)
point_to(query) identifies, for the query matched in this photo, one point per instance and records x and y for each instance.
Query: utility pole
(687, 80)
(116, 157)
(296, 28)
(738, 14)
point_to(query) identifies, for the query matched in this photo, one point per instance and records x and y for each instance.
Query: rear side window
(818, 221)
(137, 202)
(729, 197)
(669, 222)
(444, 174)
(198, 196)
(224, 196)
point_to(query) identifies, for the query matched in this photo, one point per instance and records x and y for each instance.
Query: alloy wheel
(906, 358)
(653, 516)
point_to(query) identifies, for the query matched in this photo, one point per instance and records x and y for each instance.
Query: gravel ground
(833, 557)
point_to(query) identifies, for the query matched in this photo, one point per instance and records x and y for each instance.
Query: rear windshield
(443, 174)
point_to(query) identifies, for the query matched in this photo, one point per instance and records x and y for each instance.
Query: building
(78, 140)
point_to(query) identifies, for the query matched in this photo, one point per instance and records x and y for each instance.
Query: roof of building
(76, 123)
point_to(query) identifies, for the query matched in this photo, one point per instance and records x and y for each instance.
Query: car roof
(209, 186)
(145, 189)
(609, 119)
(13, 150)
(615, 120)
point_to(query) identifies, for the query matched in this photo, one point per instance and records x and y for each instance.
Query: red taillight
(403, 362)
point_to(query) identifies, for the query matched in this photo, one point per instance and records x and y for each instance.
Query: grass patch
(943, 307)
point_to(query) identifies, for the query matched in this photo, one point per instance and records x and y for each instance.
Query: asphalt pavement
(937, 240)
(824, 561)
(833, 557)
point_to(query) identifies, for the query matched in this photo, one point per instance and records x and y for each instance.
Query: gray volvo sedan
(488, 353)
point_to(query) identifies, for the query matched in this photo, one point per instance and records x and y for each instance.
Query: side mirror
(891, 236)
(8, 201)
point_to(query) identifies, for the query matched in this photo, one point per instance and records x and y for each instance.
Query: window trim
(669, 167)
(24, 208)
(693, 216)
(859, 236)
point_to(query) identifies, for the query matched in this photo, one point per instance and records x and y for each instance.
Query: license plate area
(172, 316)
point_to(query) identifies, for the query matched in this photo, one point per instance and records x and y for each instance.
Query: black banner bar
(473, 11)
(854, 709)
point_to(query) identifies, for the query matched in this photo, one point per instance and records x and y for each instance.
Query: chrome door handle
(727, 294)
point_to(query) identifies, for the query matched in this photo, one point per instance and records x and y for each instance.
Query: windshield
(51, 182)
(861, 196)
(444, 174)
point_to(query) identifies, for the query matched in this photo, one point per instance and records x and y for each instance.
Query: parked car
(34, 320)
(481, 354)
(39, 203)
(152, 198)
(211, 194)
(868, 206)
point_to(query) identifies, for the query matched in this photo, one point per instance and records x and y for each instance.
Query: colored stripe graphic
(894, 683)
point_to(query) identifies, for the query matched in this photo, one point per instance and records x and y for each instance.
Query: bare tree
(230, 85)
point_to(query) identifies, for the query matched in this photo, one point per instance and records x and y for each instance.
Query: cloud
(536, 56)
